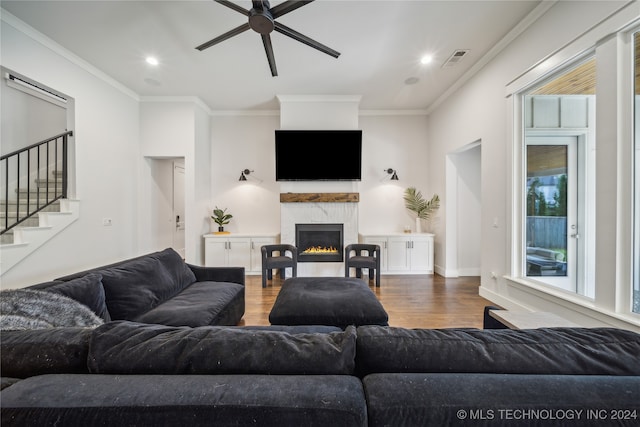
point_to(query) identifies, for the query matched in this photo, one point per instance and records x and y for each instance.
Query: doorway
(178, 208)
(167, 201)
(555, 211)
(463, 211)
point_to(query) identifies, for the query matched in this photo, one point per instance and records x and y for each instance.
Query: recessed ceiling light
(411, 81)
(152, 60)
(426, 59)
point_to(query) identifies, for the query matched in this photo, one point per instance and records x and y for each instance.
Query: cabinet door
(215, 252)
(398, 254)
(382, 242)
(256, 253)
(239, 252)
(422, 254)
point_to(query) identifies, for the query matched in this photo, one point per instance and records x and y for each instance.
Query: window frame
(609, 40)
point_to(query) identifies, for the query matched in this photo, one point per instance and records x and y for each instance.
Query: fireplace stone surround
(319, 208)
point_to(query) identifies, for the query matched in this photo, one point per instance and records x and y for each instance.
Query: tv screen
(318, 155)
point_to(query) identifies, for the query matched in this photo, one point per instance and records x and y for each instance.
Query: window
(559, 129)
(575, 203)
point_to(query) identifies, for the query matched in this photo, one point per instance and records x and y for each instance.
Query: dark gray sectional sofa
(130, 374)
(158, 288)
(148, 366)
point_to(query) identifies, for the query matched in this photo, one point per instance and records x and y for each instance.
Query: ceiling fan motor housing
(261, 20)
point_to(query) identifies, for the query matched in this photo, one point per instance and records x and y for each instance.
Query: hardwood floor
(420, 301)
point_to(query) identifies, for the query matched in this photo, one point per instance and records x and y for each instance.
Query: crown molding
(515, 32)
(35, 35)
(319, 98)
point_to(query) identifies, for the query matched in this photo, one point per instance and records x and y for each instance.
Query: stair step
(34, 193)
(33, 203)
(7, 238)
(12, 214)
(53, 182)
(33, 221)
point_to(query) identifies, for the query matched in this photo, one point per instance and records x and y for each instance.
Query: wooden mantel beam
(319, 197)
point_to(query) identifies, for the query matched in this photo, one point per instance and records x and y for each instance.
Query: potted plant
(221, 217)
(414, 201)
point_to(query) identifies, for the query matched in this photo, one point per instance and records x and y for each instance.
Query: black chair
(280, 261)
(370, 261)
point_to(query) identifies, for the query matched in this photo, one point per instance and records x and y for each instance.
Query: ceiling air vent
(456, 57)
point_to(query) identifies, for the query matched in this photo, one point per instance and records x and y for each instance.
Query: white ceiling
(380, 41)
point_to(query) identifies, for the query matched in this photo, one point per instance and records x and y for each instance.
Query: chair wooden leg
(264, 278)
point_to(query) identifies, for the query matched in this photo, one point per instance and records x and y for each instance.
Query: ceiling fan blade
(268, 49)
(287, 6)
(282, 29)
(233, 6)
(242, 28)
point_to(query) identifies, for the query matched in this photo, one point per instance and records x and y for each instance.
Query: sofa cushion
(197, 305)
(501, 400)
(87, 290)
(135, 287)
(43, 351)
(185, 400)
(579, 351)
(217, 350)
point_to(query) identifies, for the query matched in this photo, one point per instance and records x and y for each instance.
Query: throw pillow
(88, 290)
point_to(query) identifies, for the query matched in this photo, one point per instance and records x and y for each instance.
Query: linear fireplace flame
(319, 242)
(320, 250)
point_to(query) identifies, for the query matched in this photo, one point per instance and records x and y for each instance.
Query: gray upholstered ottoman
(335, 301)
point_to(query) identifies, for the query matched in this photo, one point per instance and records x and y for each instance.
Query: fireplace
(320, 242)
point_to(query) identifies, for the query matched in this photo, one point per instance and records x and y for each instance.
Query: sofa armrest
(218, 274)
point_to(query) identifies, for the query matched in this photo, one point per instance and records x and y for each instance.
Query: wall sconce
(392, 172)
(243, 174)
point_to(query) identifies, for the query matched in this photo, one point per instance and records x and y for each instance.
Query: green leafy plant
(221, 217)
(414, 201)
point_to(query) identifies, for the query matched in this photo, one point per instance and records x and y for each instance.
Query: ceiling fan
(262, 19)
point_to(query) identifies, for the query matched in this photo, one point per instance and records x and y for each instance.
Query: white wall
(106, 140)
(398, 142)
(247, 141)
(174, 128)
(479, 111)
(238, 143)
(20, 110)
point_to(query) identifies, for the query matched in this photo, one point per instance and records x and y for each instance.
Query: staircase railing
(43, 164)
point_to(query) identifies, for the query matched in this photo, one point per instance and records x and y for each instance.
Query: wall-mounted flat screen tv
(318, 155)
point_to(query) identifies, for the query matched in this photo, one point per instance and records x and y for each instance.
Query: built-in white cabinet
(226, 250)
(404, 253)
